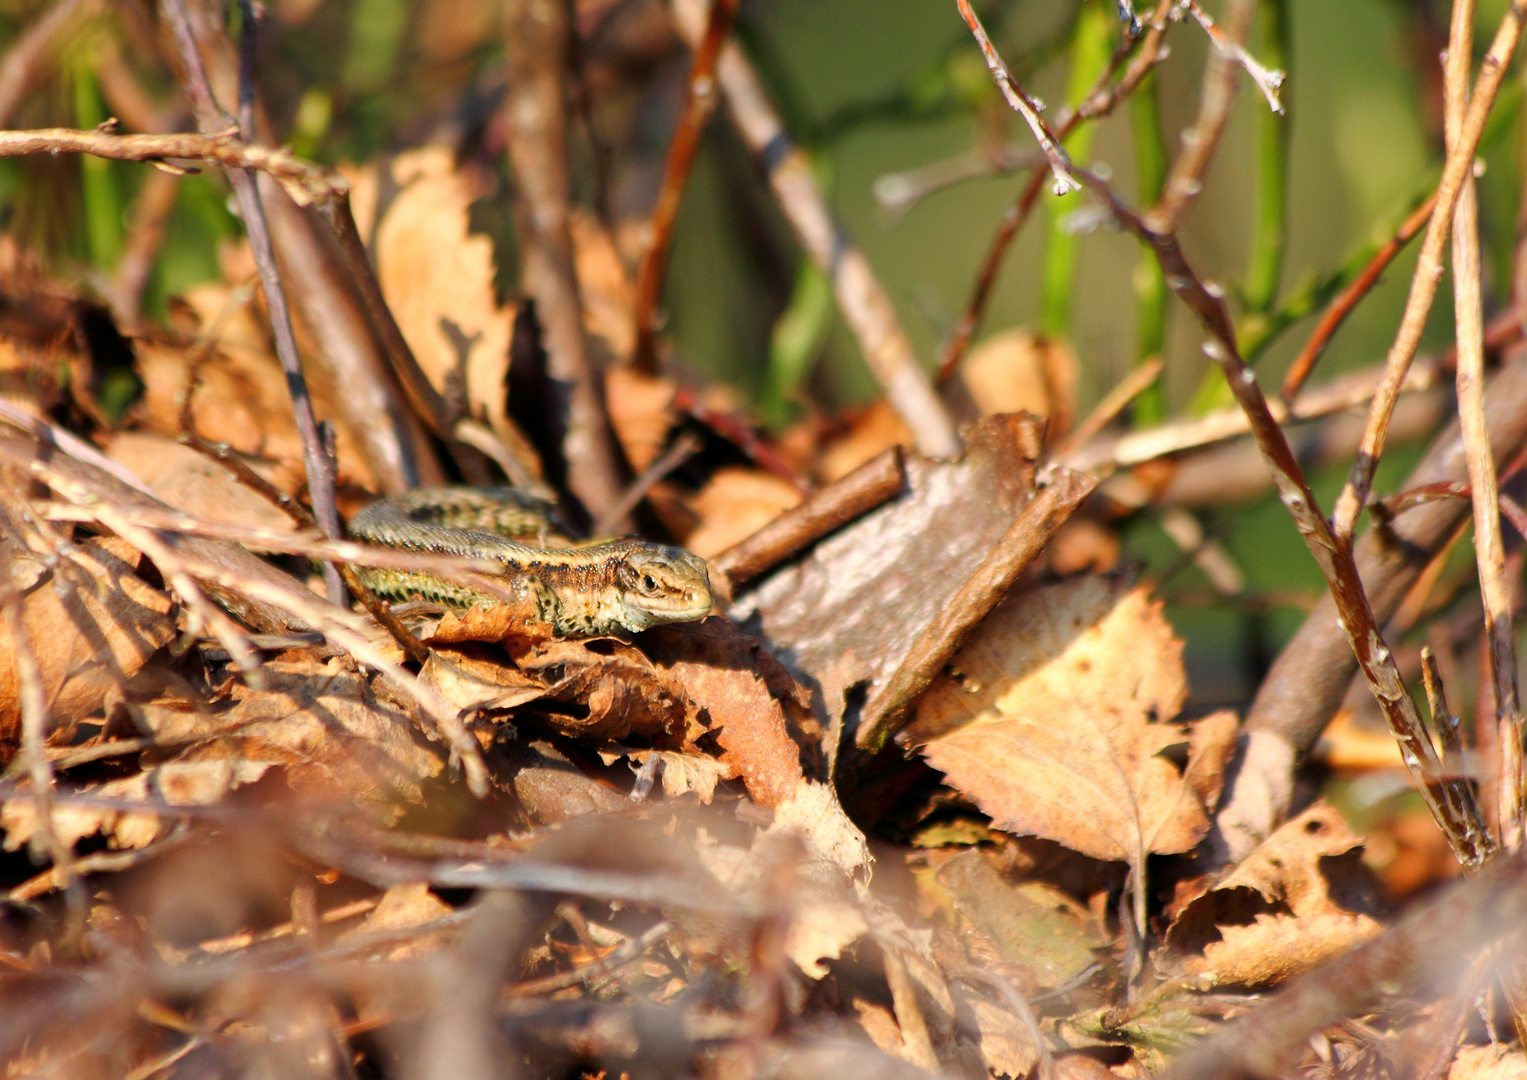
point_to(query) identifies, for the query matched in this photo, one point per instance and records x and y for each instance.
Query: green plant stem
(1090, 50)
(1150, 284)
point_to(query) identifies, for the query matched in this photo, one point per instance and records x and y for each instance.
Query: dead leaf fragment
(192, 483)
(1019, 371)
(1498, 1061)
(1049, 723)
(734, 505)
(1274, 948)
(92, 623)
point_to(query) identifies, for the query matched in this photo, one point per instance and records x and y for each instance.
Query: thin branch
(1100, 102)
(1337, 311)
(1135, 383)
(1268, 80)
(699, 102)
(870, 485)
(1423, 285)
(210, 118)
(864, 302)
(1023, 105)
(1452, 803)
(684, 447)
(1490, 556)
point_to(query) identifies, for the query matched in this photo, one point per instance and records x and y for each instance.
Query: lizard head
(659, 584)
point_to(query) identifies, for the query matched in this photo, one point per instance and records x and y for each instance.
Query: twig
(866, 307)
(24, 60)
(1423, 285)
(210, 118)
(699, 102)
(1337, 311)
(1022, 104)
(1268, 81)
(684, 447)
(412, 647)
(305, 182)
(1453, 803)
(1050, 508)
(1201, 140)
(627, 952)
(1495, 591)
(899, 191)
(1135, 383)
(825, 511)
(537, 40)
(1097, 104)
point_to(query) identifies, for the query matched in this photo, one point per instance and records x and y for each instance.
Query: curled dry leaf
(1050, 722)
(317, 721)
(1274, 948)
(1312, 866)
(1498, 1061)
(1019, 371)
(91, 623)
(438, 280)
(681, 773)
(746, 697)
(734, 505)
(187, 480)
(616, 691)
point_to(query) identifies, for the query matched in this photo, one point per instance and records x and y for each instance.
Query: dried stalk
(1423, 285)
(866, 307)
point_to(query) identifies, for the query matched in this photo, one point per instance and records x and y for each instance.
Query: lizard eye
(649, 583)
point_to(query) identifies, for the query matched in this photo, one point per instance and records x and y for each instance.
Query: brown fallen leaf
(616, 690)
(91, 623)
(438, 279)
(475, 679)
(1274, 948)
(682, 773)
(1311, 866)
(1019, 371)
(1049, 722)
(190, 482)
(745, 697)
(734, 505)
(642, 413)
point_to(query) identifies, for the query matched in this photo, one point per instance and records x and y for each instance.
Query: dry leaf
(874, 431)
(1498, 1061)
(617, 690)
(1018, 371)
(1052, 709)
(191, 482)
(1273, 948)
(606, 291)
(814, 816)
(742, 694)
(92, 623)
(438, 280)
(474, 680)
(641, 412)
(734, 505)
(683, 774)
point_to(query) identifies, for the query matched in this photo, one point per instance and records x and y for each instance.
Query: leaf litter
(264, 853)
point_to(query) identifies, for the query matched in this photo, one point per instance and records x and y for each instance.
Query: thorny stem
(1495, 591)
(1428, 275)
(1452, 803)
(211, 118)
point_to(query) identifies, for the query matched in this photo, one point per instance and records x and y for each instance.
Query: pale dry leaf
(1497, 1061)
(1274, 948)
(91, 623)
(1211, 741)
(618, 691)
(478, 680)
(74, 821)
(813, 815)
(641, 412)
(1310, 866)
(191, 482)
(1049, 722)
(684, 773)
(437, 277)
(734, 505)
(402, 907)
(1019, 371)
(822, 925)
(605, 289)
(1007, 1045)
